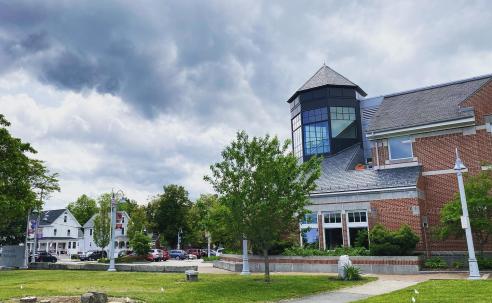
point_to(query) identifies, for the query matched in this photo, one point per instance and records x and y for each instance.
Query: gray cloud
(224, 65)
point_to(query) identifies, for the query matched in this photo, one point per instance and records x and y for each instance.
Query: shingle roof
(49, 216)
(426, 105)
(327, 76)
(338, 174)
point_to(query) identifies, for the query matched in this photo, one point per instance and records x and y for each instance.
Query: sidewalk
(384, 284)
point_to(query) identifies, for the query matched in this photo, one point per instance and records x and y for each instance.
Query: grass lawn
(449, 291)
(147, 286)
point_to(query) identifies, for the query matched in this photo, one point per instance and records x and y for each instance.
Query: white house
(58, 232)
(121, 236)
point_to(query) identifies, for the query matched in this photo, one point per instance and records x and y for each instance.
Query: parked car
(195, 252)
(123, 253)
(165, 255)
(178, 254)
(157, 254)
(43, 256)
(94, 255)
(217, 252)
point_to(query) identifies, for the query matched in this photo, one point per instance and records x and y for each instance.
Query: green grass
(449, 291)
(147, 286)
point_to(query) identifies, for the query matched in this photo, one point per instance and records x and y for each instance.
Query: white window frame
(405, 141)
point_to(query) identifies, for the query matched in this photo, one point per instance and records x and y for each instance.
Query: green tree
(83, 209)
(129, 206)
(102, 223)
(265, 188)
(25, 184)
(478, 191)
(140, 243)
(137, 223)
(170, 213)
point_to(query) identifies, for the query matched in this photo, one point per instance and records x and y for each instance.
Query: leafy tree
(25, 183)
(102, 223)
(138, 222)
(170, 213)
(129, 206)
(478, 190)
(265, 189)
(83, 209)
(140, 243)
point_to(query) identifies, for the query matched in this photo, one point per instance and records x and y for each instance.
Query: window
(122, 230)
(69, 245)
(90, 232)
(311, 218)
(297, 136)
(315, 115)
(400, 148)
(357, 216)
(122, 219)
(54, 232)
(316, 131)
(65, 219)
(332, 217)
(74, 245)
(68, 233)
(343, 122)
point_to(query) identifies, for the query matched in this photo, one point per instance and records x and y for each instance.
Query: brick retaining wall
(328, 264)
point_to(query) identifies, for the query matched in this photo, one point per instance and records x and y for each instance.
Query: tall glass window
(343, 122)
(316, 131)
(297, 136)
(400, 148)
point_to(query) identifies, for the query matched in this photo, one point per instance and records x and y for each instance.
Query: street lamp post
(465, 221)
(115, 199)
(245, 270)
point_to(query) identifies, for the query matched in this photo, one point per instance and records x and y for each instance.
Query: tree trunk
(267, 265)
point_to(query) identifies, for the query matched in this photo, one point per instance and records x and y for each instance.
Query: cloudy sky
(132, 96)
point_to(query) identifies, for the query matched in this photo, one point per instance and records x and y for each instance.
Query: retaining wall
(119, 267)
(369, 264)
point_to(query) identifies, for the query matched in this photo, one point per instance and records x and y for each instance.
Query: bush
(277, 248)
(211, 258)
(392, 243)
(484, 263)
(74, 257)
(103, 260)
(339, 251)
(352, 273)
(140, 243)
(435, 263)
(362, 239)
(458, 264)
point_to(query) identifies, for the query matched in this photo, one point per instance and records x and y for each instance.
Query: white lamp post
(465, 221)
(115, 199)
(245, 270)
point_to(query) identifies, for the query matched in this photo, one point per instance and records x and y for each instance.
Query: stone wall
(367, 264)
(119, 267)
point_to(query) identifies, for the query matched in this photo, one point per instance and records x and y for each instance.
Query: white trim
(421, 128)
(486, 167)
(441, 172)
(365, 191)
(398, 165)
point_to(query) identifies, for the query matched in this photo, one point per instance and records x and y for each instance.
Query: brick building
(388, 159)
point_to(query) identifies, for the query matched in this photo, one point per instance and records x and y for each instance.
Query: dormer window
(65, 218)
(54, 232)
(400, 148)
(68, 233)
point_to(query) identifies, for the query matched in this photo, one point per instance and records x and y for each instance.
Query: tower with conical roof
(325, 114)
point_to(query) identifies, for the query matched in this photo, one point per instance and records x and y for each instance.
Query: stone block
(94, 297)
(28, 300)
(191, 275)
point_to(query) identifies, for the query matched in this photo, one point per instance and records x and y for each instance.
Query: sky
(134, 95)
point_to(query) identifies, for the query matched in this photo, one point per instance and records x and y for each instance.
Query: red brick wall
(481, 102)
(396, 212)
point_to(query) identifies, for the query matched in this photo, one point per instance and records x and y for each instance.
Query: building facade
(58, 232)
(388, 159)
(121, 235)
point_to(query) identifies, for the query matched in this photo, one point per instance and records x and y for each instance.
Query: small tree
(102, 224)
(137, 223)
(479, 199)
(140, 243)
(265, 188)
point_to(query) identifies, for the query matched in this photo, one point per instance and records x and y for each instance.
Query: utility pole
(465, 220)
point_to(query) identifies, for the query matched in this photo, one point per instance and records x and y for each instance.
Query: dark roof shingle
(432, 104)
(338, 175)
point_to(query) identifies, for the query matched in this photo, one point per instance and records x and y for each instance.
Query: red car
(165, 255)
(195, 251)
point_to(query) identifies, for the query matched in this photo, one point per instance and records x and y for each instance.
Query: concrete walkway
(384, 284)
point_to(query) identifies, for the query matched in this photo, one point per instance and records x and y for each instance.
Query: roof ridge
(324, 65)
(436, 86)
(319, 69)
